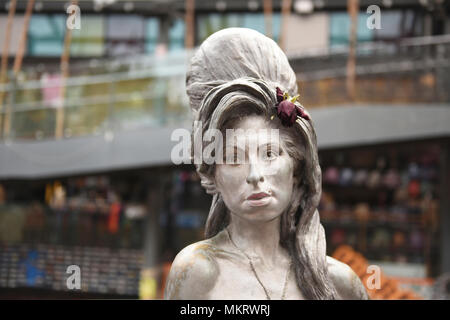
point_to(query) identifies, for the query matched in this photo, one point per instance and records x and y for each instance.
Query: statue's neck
(259, 240)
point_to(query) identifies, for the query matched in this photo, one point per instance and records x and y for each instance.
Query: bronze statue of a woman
(263, 235)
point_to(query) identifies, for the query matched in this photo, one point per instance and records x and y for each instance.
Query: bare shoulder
(193, 273)
(346, 281)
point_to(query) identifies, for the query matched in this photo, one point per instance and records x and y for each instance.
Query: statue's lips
(259, 199)
(258, 196)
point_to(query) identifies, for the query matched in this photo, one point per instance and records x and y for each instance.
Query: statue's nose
(254, 175)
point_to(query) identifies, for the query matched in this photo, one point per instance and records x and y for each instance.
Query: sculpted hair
(235, 73)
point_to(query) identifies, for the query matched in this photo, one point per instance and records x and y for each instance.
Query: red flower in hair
(280, 95)
(287, 110)
(303, 113)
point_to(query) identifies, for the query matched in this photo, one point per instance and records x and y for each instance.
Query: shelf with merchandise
(383, 200)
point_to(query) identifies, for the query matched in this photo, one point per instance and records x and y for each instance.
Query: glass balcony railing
(407, 71)
(104, 96)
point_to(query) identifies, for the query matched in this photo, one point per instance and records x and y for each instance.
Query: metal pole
(352, 8)
(59, 124)
(4, 66)
(285, 14)
(23, 38)
(189, 24)
(268, 17)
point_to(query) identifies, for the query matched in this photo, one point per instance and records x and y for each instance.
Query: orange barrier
(389, 287)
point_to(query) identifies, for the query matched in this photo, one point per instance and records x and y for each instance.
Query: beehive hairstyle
(233, 74)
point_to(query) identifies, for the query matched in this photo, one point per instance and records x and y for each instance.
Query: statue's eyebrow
(266, 146)
(271, 145)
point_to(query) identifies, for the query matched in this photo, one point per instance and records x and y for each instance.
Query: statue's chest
(238, 281)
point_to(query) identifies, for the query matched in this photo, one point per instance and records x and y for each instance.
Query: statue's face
(259, 189)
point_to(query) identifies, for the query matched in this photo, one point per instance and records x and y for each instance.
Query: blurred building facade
(86, 174)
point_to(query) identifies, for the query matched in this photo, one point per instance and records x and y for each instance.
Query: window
(176, 35)
(397, 24)
(256, 21)
(340, 29)
(46, 35)
(89, 40)
(16, 30)
(208, 24)
(151, 34)
(125, 35)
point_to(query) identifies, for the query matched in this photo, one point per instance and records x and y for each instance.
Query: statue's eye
(271, 153)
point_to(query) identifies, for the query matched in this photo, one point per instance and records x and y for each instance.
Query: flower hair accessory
(287, 109)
